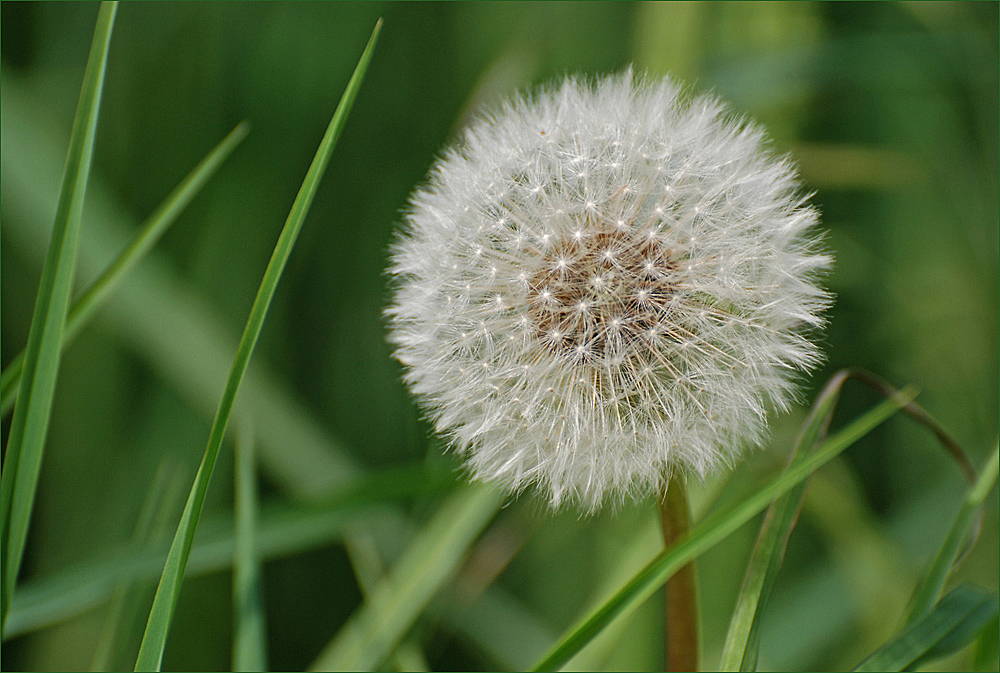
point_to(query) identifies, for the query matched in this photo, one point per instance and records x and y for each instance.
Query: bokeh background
(890, 110)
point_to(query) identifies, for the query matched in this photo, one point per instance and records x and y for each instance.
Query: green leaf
(129, 600)
(933, 583)
(23, 460)
(375, 628)
(157, 314)
(249, 634)
(283, 530)
(155, 638)
(150, 233)
(742, 640)
(707, 533)
(363, 552)
(987, 647)
(944, 630)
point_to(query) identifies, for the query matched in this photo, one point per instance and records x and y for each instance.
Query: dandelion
(604, 285)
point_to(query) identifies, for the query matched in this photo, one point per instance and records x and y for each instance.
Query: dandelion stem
(680, 594)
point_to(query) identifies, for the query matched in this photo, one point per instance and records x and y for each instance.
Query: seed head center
(602, 295)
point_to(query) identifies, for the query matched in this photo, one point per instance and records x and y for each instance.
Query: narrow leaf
(930, 588)
(155, 638)
(249, 634)
(23, 460)
(129, 599)
(375, 629)
(149, 234)
(283, 530)
(742, 640)
(947, 628)
(709, 532)
(363, 552)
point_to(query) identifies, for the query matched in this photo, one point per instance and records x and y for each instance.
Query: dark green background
(890, 109)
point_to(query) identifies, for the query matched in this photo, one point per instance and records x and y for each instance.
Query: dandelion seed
(614, 349)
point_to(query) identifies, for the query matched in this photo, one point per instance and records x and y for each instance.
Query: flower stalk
(680, 593)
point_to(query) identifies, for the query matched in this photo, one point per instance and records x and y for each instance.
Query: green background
(890, 111)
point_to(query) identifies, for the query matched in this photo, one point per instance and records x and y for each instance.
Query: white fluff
(602, 284)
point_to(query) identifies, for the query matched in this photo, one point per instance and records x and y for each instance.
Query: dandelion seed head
(603, 284)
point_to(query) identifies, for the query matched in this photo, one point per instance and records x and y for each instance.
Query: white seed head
(602, 284)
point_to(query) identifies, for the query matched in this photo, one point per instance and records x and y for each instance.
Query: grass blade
(26, 442)
(374, 630)
(743, 640)
(128, 601)
(368, 570)
(283, 530)
(930, 588)
(946, 629)
(249, 635)
(165, 601)
(150, 233)
(707, 533)
(157, 314)
(740, 650)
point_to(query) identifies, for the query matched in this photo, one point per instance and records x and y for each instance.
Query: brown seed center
(602, 295)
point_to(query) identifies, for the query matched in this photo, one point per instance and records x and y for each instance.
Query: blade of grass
(743, 640)
(249, 634)
(956, 619)
(740, 650)
(987, 647)
(149, 234)
(23, 460)
(930, 588)
(161, 614)
(378, 625)
(283, 530)
(368, 570)
(153, 526)
(707, 533)
(168, 324)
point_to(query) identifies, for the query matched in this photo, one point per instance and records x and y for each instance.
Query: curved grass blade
(740, 650)
(955, 620)
(930, 588)
(743, 640)
(155, 638)
(708, 532)
(249, 634)
(283, 530)
(375, 628)
(150, 233)
(26, 442)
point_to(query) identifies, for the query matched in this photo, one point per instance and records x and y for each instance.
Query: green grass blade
(249, 634)
(157, 314)
(165, 601)
(378, 625)
(149, 234)
(707, 533)
(283, 530)
(127, 605)
(987, 647)
(931, 586)
(946, 629)
(742, 640)
(368, 570)
(23, 460)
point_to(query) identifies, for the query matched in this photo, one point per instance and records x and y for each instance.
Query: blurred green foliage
(891, 111)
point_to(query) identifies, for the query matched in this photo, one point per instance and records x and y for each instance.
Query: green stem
(680, 593)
